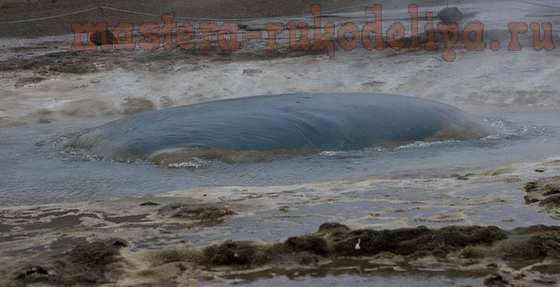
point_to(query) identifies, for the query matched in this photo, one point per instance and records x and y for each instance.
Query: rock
(533, 243)
(137, 105)
(73, 67)
(450, 15)
(461, 236)
(495, 280)
(192, 163)
(551, 189)
(333, 227)
(373, 84)
(284, 208)
(420, 240)
(233, 253)
(149, 203)
(313, 244)
(551, 202)
(515, 258)
(165, 102)
(21, 82)
(96, 254)
(545, 192)
(531, 186)
(252, 72)
(529, 200)
(333, 240)
(34, 274)
(461, 177)
(85, 264)
(200, 212)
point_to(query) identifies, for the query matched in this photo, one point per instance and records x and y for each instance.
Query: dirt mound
(527, 256)
(544, 192)
(334, 240)
(235, 253)
(86, 263)
(197, 212)
(59, 62)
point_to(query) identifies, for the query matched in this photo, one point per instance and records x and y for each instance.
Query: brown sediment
(521, 256)
(134, 105)
(467, 249)
(59, 62)
(5, 227)
(87, 108)
(32, 226)
(209, 212)
(545, 193)
(86, 264)
(197, 158)
(466, 176)
(337, 240)
(499, 171)
(29, 80)
(157, 226)
(149, 203)
(459, 132)
(127, 219)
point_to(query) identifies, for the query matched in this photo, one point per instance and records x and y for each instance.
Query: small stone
(232, 253)
(552, 201)
(531, 186)
(149, 203)
(133, 105)
(34, 273)
(551, 189)
(333, 227)
(313, 244)
(251, 72)
(201, 212)
(495, 280)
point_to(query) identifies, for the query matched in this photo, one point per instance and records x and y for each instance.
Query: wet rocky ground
(44, 80)
(443, 228)
(475, 224)
(544, 193)
(521, 257)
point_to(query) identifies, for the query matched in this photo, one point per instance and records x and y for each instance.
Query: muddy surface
(217, 236)
(333, 219)
(86, 263)
(545, 193)
(523, 256)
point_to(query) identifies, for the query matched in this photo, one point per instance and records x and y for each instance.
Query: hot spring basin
(256, 128)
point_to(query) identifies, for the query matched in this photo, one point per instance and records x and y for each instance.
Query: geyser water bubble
(257, 128)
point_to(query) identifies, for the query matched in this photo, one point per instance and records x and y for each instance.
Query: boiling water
(37, 169)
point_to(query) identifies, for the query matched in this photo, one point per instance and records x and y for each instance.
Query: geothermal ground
(421, 214)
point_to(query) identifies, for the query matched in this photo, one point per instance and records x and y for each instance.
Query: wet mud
(86, 263)
(458, 227)
(521, 256)
(62, 62)
(544, 193)
(218, 236)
